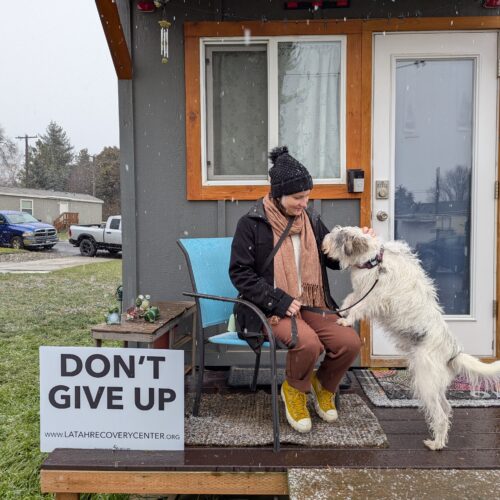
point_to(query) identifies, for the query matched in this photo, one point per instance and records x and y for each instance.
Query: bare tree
(455, 186)
(10, 161)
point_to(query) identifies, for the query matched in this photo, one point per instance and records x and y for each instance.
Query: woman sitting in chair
(295, 277)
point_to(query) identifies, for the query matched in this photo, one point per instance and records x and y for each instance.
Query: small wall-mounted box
(355, 180)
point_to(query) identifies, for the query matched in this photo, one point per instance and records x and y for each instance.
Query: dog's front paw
(433, 445)
(344, 322)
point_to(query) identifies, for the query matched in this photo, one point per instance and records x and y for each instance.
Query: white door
(63, 207)
(434, 169)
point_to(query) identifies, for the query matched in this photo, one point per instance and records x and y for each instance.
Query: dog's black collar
(373, 262)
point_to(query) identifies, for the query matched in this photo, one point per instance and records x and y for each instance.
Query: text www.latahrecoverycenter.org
(111, 435)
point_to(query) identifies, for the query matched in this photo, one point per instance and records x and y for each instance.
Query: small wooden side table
(161, 334)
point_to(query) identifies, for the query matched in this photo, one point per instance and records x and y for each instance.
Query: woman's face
(295, 204)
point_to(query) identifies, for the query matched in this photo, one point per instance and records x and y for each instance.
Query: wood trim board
(111, 24)
(164, 482)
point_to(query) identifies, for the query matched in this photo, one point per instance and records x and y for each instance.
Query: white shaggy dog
(404, 302)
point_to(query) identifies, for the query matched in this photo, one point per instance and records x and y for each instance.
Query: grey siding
(152, 110)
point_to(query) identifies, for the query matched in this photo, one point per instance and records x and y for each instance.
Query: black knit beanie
(287, 174)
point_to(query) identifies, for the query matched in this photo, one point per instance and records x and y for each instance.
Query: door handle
(382, 215)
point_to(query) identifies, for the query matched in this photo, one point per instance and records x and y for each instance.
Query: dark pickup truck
(22, 230)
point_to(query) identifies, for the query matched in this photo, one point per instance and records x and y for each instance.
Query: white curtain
(309, 104)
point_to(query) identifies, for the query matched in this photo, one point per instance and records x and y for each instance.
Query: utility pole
(26, 137)
(437, 195)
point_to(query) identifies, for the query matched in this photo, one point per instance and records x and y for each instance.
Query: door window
(433, 160)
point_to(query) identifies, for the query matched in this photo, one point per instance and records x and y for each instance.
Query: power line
(26, 137)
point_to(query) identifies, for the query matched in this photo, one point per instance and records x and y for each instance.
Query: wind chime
(164, 26)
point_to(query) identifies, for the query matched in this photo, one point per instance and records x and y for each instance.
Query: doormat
(392, 388)
(332, 483)
(242, 376)
(246, 420)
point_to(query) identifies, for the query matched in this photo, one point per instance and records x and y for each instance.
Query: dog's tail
(475, 370)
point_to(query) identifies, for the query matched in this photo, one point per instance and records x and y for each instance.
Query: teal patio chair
(215, 295)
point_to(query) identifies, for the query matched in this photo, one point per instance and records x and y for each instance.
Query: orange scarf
(285, 270)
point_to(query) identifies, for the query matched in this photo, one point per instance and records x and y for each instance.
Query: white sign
(111, 398)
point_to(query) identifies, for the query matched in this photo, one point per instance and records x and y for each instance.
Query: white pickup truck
(93, 237)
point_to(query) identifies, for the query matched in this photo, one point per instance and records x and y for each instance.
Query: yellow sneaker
(297, 413)
(324, 400)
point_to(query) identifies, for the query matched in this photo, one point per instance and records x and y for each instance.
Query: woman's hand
(368, 230)
(294, 308)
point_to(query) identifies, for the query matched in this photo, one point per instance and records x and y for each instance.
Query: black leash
(295, 333)
(376, 261)
(337, 311)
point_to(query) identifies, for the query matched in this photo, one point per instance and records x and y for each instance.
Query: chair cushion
(231, 338)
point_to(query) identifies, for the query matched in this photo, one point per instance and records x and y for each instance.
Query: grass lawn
(63, 235)
(41, 309)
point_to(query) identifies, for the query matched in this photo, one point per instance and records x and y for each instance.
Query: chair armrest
(246, 303)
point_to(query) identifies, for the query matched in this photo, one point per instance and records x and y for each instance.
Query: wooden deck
(474, 444)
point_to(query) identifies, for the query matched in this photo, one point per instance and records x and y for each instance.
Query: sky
(55, 65)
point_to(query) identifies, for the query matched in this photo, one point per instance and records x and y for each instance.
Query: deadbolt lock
(382, 190)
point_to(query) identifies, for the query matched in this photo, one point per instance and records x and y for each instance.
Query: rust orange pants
(317, 333)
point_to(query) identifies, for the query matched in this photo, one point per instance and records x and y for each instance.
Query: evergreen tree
(108, 180)
(404, 200)
(50, 160)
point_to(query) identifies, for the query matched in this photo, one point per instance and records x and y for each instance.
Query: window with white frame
(27, 206)
(272, 91)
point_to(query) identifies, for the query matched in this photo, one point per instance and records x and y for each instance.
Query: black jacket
(252, 243)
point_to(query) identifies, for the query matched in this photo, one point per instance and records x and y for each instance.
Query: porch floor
(474, 442)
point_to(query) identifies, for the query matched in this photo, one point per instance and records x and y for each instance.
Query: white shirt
(296, 251)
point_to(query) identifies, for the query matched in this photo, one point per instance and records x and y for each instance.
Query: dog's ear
(339, 238)
(355, 245)
(348, 245)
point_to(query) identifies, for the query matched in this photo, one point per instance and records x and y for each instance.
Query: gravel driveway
(25, 256)
(61, 250)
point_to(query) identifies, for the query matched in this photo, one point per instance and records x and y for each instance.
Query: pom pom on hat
(287, 174)
(276, 152)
